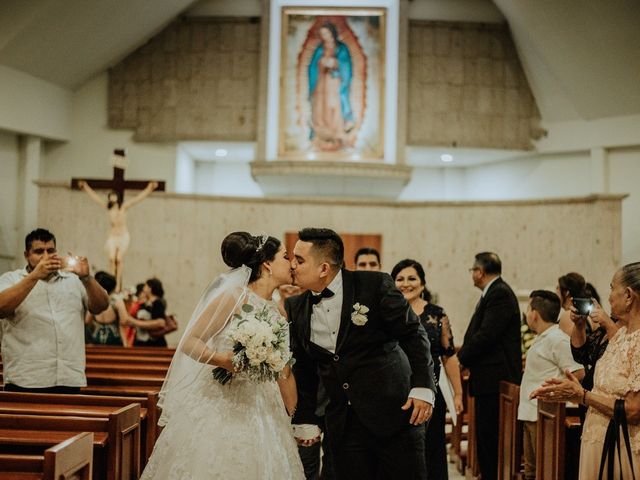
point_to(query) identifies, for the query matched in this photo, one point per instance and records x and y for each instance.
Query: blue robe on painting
(343, 72)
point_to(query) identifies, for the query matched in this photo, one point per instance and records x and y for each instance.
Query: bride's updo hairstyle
(242, 248)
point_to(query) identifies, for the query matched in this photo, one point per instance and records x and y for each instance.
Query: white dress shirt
(325, 324)
(43, 341)
(486, 287)
(548, 357)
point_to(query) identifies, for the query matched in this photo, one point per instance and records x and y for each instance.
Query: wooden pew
(112, 367)
(510, 433)
(144, 351)
(70, 459)
(88, 406)
(116, 441)
(472, 471)
(558, 434)
(458, 450)
(97, 358)
(138, 379)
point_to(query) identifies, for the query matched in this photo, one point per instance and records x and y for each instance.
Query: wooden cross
(118, 184)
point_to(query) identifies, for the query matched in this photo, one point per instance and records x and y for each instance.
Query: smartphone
(584, 306)
(69, 261)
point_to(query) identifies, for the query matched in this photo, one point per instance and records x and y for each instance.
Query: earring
(270, 273)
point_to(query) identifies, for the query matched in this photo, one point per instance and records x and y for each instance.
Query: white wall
(557, 175)
(9, 162)
(33, 106)
(225, 178)
(624, 177)
(89, 151)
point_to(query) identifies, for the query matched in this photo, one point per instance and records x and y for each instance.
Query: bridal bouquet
(260, 350)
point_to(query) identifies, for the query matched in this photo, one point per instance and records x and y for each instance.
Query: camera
(69, 261)
(583, 306)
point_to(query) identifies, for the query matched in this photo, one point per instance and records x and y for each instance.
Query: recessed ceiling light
(221, 152)
(445, 157)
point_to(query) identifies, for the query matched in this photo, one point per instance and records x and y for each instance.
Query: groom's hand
(421, 410)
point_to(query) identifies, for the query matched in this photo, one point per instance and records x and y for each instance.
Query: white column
(29, 168)
(185, 172)
(599, 170)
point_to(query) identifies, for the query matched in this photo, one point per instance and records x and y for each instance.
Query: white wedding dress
(227, 432)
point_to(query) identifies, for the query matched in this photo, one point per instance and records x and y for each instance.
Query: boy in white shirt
(549, 356)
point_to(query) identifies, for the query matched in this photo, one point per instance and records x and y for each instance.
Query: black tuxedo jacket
(491, 348)
(374, 366)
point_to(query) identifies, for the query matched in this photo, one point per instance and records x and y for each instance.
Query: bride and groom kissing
(353, 332)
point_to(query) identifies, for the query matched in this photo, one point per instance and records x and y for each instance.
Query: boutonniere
(359, 314)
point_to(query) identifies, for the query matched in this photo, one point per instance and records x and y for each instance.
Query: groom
(355, 332)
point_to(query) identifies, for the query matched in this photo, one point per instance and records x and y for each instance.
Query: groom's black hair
(326, 242)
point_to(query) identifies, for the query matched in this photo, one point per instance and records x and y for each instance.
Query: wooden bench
(558, 433)
(510, 432)
(123, 368)
(137, 379)
(97, 358)
(472, 472)
(458, 451)
(144, 351)
(117, 457)
(70, 459)
(88, 406)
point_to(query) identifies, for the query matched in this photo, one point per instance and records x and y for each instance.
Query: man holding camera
(42, 310)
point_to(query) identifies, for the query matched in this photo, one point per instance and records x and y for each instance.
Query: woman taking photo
(617, 376)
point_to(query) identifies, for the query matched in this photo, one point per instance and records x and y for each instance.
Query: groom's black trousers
(360, 455)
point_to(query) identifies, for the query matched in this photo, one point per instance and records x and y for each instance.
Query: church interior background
(474, 125)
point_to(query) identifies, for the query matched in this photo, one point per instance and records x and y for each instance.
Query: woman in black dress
(410, 280)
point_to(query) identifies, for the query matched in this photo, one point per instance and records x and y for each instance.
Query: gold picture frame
(332, 84)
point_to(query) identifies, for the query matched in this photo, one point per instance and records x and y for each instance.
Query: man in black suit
(355, 332)
(491, 352)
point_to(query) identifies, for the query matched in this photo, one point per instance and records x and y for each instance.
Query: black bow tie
(326, 293)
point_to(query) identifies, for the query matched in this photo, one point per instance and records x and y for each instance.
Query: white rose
(359, 319)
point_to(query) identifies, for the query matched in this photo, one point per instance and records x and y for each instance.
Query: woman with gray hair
(617, 377)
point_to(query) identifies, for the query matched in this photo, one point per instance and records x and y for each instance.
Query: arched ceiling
(582, 57)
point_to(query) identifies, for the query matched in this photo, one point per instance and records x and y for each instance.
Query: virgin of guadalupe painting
(332, 84)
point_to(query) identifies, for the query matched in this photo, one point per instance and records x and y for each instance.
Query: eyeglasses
(473, 269)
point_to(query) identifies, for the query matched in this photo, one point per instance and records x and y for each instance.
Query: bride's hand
(225, 362)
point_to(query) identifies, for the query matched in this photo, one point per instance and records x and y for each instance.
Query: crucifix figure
(118, 240)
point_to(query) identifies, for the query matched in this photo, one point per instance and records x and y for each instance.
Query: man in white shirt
(549, 356)
(356, 333)
(42, 310)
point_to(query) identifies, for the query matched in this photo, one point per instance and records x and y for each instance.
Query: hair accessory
(262, 242)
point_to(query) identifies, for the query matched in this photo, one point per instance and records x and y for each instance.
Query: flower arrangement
(260, 350)
(359, 314)
(526, 338)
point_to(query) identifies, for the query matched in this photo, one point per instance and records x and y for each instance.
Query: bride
(239, 430)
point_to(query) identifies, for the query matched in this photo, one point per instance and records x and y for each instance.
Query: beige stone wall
(177, 238)
(467, 88)
(196, 80)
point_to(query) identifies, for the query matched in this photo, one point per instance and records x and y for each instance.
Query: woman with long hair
(410, 280)
(236, 427)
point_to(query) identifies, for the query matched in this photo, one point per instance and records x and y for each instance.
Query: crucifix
(118, 240)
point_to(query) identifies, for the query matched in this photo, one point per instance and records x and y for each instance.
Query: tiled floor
(453, 473)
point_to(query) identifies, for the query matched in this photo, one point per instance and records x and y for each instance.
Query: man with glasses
(42, 310)
(491, 352)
